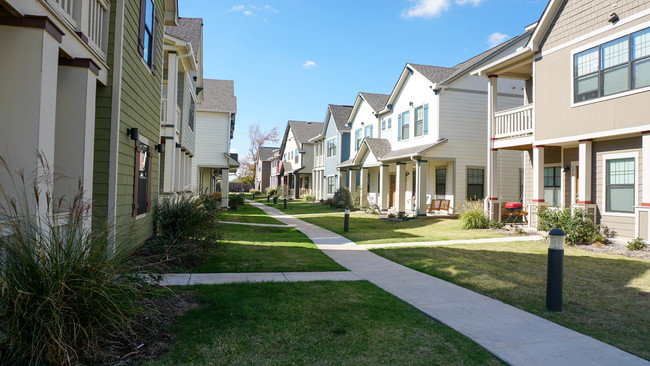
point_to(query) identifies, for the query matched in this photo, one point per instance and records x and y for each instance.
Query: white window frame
(560, 188)
(335, 147)
(614, 156)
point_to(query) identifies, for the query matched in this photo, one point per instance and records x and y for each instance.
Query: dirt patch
(154, 257)
(151, 337)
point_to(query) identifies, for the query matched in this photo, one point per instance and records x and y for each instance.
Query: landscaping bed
(605, 296)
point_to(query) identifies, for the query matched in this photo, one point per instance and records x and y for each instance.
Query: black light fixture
(133, 132)
(159, 148)
(613, 18)
(410, 104)
(567, 169)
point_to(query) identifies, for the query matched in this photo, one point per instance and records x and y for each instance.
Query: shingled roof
(376, 101)
(218, 96)
(303, 131)
(189, 29)
(266, 153)
(341, 113)
(435, 74)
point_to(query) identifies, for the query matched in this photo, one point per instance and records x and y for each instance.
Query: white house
(297, 154)
(215, 124)
(429, 140)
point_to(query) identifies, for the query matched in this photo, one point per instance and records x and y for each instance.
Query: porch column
(492, 203)
(400, 187)
(584, 172)
(75, 132)
(344, 176)
(170, 165)
(421, 174)
(363, 174)
(224, 188)
(352, 186)
(384, 187)
(642, 213)
(296, 185)
(538, 186)
(178, 156)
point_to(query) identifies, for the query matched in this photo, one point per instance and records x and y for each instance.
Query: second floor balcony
(87, 18)
(514, 122)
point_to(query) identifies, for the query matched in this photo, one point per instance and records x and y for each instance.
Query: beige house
(585, 125)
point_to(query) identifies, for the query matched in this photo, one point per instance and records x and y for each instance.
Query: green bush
(637, 244)
(283, 191)
(211, 203)
(180, 217)
(496, 225)
(254, 191)
(341, 198)
(235, 201)
(473, 217)
(271, 191)
(579, 227)
(358, 197)
(310, 198)
(61, 285)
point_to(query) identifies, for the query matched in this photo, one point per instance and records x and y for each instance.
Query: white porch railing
(515, 122)
(89, 17)
(305, 191)
(97, 21)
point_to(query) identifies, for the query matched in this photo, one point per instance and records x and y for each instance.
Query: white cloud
(496, 38)
(252, 9)
(248, 12)
(309, 64)
(271, 9)
(237, 8)
(473, 2)
(426, 8)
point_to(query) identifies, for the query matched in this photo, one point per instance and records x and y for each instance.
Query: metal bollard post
(268, 198)
(346, 222)
(285, 202)
(253, 195)
(554, 273)
(275, 200)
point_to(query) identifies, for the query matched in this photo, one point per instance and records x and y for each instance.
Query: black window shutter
(154, 39)
(143, 12)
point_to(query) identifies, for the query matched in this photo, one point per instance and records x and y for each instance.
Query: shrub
(330, 202)
(180, 217)
(392, 215)
(496, 225)
(358, 197)
(310, 198)
(401, 215)
(341, 198)
(637, 244)
(373, 209)
(283, 190)
(473, 217)
(235, 201)
(271, 191)
(61, 286)
(254, 191)
(211, 203)
(579, 228)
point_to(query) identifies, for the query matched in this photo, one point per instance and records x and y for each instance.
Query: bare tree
(257, 138)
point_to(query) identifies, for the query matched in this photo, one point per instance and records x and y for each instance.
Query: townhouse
(85, 94)
(427, 149)
(181, 89)
(263, 168)
(276, 169)
(584, 126)
(331, 147)
(297, 152)
(215, 126)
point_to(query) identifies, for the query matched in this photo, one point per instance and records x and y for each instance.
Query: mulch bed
(616, 248)
(150, 337)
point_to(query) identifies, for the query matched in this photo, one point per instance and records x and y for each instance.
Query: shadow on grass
(604, 296)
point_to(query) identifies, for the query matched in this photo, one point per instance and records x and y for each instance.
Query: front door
(391, 202)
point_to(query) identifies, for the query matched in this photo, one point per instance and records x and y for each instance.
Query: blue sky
(290, 58)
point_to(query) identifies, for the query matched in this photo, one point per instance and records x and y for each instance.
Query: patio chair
(444, 205)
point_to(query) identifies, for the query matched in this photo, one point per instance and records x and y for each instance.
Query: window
(418, 124)
(331, 147)
(142, 181)
(613, 67)
(475, 179)
(403, 121)
(192, 111)
(296, 155)
(552, 184)
(357, 139)
(441, 181)
(330, 185)
(368, 131)
(619, 185)
(388, 124)
(383, 124)
(147, 38)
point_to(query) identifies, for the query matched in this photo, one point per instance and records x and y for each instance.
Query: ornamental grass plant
(62, 283)
(472, 216)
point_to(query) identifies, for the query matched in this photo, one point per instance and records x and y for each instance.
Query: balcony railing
(515, 122)
(89, 17)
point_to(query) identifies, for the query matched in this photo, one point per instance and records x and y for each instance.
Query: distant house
(276, 169)
(331, 147)
(263, 168)
(583, 126)
(428, 141)
(215, 125)
(297, 152)
(182, 85)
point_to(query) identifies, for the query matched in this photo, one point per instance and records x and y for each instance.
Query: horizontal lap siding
(212, 141)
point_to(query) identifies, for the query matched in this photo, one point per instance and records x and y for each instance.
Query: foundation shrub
(341, 198)
(472, 216)
(310, 198)
(235, 201)
(579, 228)
(271, 191)
(637, 244)
(358, 197)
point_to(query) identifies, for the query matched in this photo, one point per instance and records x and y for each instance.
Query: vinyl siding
(331, 162)
(212, 141)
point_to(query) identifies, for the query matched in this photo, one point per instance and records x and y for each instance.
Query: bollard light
(346, 221)
(554, 270)
(275, 200)
(285, 202)
(268, 198)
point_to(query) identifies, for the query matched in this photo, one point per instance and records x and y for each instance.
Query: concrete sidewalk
(513, 335)
(187, 279)
(458, 241)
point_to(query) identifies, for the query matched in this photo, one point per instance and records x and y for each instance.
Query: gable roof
(303, 131)
(376, 101)
(189, 29)
(435, 74)
(340, 114)
(218, 96)
(266, 153)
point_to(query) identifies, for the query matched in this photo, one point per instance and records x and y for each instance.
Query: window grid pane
(641, 73)
(620, 171)
(615, 80)
(615, 52)
(641, 44)
(586, 62)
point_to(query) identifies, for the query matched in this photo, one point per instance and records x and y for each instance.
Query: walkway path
(513, 335)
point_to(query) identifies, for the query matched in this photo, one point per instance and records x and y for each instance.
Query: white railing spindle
(514, 122)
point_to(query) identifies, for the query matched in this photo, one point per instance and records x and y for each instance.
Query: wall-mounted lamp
(613, 18)
(410, 104)
(567, 169)
(159, 148)
(407, 174)
(133, 132)
(178, 146)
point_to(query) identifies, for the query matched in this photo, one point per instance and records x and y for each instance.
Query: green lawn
(248, 213)
(368, 229)
(314, 323)
(296, 206)
(265, 249)
(605, 296)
